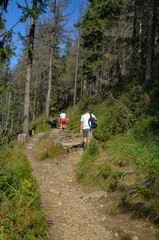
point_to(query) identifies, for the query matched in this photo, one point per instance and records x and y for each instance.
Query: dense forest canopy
(116, 41)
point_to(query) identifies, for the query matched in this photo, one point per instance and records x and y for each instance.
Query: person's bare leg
(85, 140)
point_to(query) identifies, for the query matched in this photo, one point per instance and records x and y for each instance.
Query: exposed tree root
(133, 190)
(125, 173)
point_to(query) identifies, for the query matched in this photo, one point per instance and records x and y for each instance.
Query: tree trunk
(140, 42)
(134, 33)
(50, 78)
(22, 139)
(81, 95)
(35, 97)
(52, 56)
(150, 40)
(28, 74)
(8, 114)
(76, 71)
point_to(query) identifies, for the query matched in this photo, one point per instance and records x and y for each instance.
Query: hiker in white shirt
(85, 129)
(62, 120)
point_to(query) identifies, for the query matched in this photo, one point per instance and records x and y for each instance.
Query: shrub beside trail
(128, 144)
(46, 148)
(20, 215)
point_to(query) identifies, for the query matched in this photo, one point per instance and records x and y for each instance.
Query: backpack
(91, 122)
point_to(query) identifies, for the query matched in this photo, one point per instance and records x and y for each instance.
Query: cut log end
(22, 139)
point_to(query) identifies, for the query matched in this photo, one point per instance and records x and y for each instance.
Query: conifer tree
(37, 7)
(57, 34)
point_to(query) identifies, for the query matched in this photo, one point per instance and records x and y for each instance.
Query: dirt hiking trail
(74, 212)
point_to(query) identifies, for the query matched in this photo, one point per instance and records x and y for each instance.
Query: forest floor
(76, 212)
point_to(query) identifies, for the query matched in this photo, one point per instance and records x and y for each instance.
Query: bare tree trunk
(50, 78)
(84, 89)
(27, 100)
(28, 74)
(7, 116)
(134, 33)
(52, 56)
(81, 7)
(76, 71)
(140, 41)
(150, 40)
(81, 89)
(90, 90)
(41, 99)
(35, 97)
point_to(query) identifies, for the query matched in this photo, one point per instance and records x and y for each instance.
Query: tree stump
(22, 139)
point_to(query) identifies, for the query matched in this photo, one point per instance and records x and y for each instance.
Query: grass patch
(143, 153)
(46, 148)
(90, 169)
(41, 125)
(20, 216)
(74, 119)
(127, 134)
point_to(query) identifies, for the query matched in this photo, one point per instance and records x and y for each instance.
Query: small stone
(98, 195)
(135, 238)
(116, 234)
(55, 192)
(102, 219)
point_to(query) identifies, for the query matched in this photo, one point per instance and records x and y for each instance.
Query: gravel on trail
(73, 214)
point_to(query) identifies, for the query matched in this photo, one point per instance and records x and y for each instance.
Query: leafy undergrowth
(41, 124)
(124, 164)
(126, 140)
(74, 116)
(96, 168)
(141, 155)
(20, 215)
(143, 152)
(46, 148)
(92, 169)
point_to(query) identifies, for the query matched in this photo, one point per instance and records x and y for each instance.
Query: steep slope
(77, 213)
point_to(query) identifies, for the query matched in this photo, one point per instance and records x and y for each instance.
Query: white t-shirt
(85, 119)
(63, 115)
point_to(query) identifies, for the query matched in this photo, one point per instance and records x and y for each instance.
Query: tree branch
(4, 34)
(17, 40)
(26, 3)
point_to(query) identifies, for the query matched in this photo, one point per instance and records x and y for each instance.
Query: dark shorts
(87, 133)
